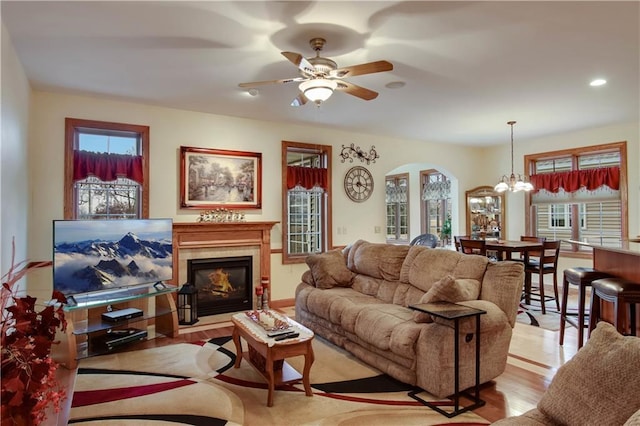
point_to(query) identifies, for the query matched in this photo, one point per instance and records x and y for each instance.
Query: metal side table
(454, 312)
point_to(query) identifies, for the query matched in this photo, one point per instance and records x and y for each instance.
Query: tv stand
(89, 334)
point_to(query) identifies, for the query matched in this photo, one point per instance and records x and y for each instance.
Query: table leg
(456, 364)
(563, 314)
(308, 360)
(238, 343)
(477, 393)
(581, 307)
(270, 377)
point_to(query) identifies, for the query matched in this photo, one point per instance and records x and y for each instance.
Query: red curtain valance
(572, 181)
(107, 167)
(307, 177)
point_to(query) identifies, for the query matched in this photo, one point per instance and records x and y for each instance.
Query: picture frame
(216, 178)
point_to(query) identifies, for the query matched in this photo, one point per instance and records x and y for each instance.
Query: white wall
(14, 173)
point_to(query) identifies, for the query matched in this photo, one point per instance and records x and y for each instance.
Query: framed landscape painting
(215, 178)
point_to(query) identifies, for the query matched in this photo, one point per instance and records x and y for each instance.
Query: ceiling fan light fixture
(319, 89)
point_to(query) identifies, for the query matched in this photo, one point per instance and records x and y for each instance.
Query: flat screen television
(99, 255)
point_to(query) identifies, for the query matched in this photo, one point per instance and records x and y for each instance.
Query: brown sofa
(358, 299)
(599, 386)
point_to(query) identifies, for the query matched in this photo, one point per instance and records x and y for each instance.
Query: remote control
(287, 336)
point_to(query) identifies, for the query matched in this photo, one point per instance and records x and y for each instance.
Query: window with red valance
(572, 181)
(106, 170)
(306, 177)
(580, 194)
(306, 195)
(107, 167)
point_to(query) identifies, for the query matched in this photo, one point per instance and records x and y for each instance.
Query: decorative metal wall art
(350, 152)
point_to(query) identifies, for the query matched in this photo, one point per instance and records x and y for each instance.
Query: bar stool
(620, 292)
(581, 277)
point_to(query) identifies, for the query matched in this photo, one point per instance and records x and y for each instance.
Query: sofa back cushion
(424, 266)
(377, 260)
(599, 385)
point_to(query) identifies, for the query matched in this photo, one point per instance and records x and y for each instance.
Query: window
(397, 201)
(306, 189)
(580, 195)
(435, 210)
(106, 170)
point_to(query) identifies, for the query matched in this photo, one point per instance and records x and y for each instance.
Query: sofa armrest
(494, 318)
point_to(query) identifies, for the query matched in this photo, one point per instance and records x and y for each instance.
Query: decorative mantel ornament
(221, 215)
(350, 152)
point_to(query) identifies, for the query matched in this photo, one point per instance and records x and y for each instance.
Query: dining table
(506, 248)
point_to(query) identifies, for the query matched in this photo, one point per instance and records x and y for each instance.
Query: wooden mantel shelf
(223, 234)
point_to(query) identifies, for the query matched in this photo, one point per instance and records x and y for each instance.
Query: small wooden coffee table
(267, 355)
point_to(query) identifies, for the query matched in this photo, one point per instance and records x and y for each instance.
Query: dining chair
(547, 263)
(456, 241)
(469, 246)
(533, 239)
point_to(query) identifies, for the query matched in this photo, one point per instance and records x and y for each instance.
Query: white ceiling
(469, 67)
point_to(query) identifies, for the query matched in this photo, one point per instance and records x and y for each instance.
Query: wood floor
(534, 357)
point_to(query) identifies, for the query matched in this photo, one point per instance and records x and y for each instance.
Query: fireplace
(224, 284)
(213, 240)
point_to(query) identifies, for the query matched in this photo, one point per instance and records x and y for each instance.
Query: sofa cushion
(329, 303)
(388, 327)
(448, 289)
(599, 384)
(377, 260)
(423, 266)
(329, 269)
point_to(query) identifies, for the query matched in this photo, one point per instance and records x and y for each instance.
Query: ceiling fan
(319, 76)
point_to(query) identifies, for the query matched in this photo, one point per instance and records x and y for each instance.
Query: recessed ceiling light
(253, 92)
(395, 84)
(598, 82)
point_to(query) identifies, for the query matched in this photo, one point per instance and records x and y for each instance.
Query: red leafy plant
(29, 384)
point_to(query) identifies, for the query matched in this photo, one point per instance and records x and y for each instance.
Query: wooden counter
(621, 262)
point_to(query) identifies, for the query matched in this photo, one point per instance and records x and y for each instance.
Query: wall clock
(358, 184)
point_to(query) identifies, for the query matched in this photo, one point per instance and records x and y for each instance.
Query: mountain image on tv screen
(95, 255)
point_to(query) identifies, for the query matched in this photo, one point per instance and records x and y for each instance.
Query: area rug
(197, 384)
(532, 315)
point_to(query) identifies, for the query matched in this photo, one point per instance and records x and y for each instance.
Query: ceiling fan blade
(300, 100)
(357, 91)
(300, 61)
(260, 83)
(368, 68)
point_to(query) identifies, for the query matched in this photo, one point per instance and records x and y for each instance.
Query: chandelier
(513, 183)
(318, 90)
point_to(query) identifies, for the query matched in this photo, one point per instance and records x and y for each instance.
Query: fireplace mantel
(221, 235)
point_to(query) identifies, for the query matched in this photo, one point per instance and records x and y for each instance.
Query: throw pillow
(329, 269)
(448, 289)
(598, 386)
